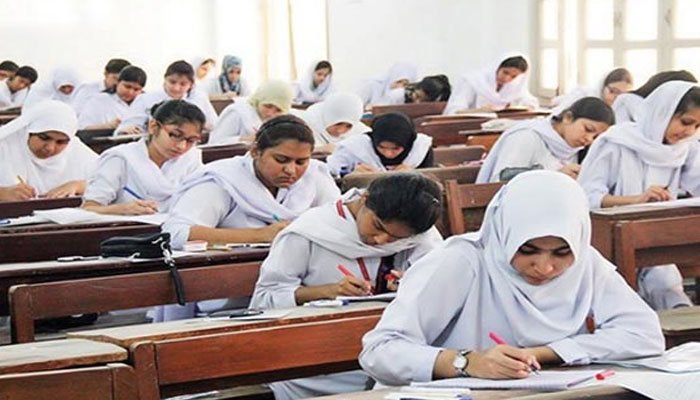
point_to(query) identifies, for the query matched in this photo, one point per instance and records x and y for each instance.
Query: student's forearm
(228, 235)
(304, 294)
(612, 201)
(443, 365)
(545, 355)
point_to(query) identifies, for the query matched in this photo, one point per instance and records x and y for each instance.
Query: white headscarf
(306, 91)
(360, 148)
(644, 155)
(75, 162)
(537, 204)
(626, 107)
(337, 108)
(484, 84)
(380, 87)
(544, 129)
(61, 76)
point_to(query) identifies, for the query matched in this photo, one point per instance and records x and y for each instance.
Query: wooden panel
(57, 354)
(412, 110)
(462, 174)
(445, 133)
(12, 209)
(220, 103)
(213, 153)
(466, 204)
(455, 155)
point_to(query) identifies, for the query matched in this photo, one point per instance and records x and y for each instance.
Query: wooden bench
(466, 204)
(13, 209)
(110, 382)
(680, 325)
(456, 155)
(29, 303)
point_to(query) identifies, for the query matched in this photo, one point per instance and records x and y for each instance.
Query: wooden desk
(12, 209)
(220, 102)
(213, 153)
(413, 111)
(57, 354)
(445, 133)
(50, 241)
(102, 143)
(53, 271)
(680, 325)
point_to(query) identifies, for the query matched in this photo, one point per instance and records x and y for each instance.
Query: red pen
(499, 340)
(347, 273)
(605, 374)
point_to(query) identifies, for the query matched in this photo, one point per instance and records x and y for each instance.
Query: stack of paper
(545, 381)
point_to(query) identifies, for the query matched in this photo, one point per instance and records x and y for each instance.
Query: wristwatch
(461, 362)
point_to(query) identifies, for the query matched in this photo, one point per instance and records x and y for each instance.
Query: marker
(499, 340)
(132, 193)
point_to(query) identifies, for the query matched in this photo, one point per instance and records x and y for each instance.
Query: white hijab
(253, 200)
(643, 154)
(75, 162)
(362, 149)
(626, 107)
(533, 205)
(61, 76)
(337, 108)
(307, 91)
(151, 181)
(484, 84)
(381, 85)
(544, 129)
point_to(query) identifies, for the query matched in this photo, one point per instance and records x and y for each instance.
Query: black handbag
(152, 245)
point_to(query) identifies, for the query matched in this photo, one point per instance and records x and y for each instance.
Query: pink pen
(499, 340)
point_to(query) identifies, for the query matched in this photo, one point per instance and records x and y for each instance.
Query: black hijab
(396, 128)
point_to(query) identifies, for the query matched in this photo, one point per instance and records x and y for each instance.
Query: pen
(347, 273)
(21, 180)
(276, 218)
(132, 193)
(599, 377)
(499, 340)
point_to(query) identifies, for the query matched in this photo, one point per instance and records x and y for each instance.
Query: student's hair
(323, 64)
(134, 74)
(518, 62)
(284, 127)
(436, 87)
(27, 72)
(689, 101)
(180, 67)
(8, 65)
(408, 198)
(662, 77)
(618, 75)
(592, 108)
(116, 65)
(206, 61)
(177, 112)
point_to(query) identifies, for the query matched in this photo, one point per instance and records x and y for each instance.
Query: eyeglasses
(178, 136)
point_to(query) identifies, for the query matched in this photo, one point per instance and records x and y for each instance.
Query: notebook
(683, 358)
(377, 297)
(68, 215)
(545, 381)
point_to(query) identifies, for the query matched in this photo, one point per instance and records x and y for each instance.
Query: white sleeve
(400, 350)
(282, 272)
(80, 98)
(107, 181)
(690, 173)
(517, 151)
(92, 113)
(625, 327)
(5, 99)
(596, 172)
(340, 158)
(201, 100)
(206, 204)
(137, 116)
(227, 129)
(462, 97)
(326, 189)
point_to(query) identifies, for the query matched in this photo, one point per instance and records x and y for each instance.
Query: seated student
(376, 91)
(615, 83)
(106, 110)
(531, 276)
(229, 82)
(379, 232)
(250, 198)
(316, 84)
(240, 120)
(547, 143)
(650, 160)
(139, 177)
(334, 119)
(429, 89)
(108, 83)
(14, 90)
(177, 85)
(60, 86)
(202, 68)
(40, 155)
(628, 104)
(7, 69)
(392, 145)
(494, 88)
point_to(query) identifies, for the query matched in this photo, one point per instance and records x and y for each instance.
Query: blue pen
(276, 218)
(131, 192)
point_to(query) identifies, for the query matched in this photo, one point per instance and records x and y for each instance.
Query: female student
(229, 82)
(429, 89)
(616, 82)
(243, 118)
(40, 155)
(376, 92)
(14, 90)
(202, 68)
(106, 110)
(531, 276)
(550, 143)
(650, 160)
(60, 87)
(7, 69)
(111, 76)
(334, 119)
(392, 145)
(316, 84)
(628, 104)
(384, 229)
(179, 78)
(139, 177)
(497, 86)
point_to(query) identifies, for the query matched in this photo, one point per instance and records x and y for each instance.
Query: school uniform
(528, 144)
(75, 162)
(306, 253)
(48, 90)
(102, 108)
(222, 85)
(629, 158)
(376, 91)
(455, 295)
(626, 106)
(478, 89)
(140, 109)
(85, 92)
(9, 99)
(337, 108)
(304, 90)
(129, 166)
